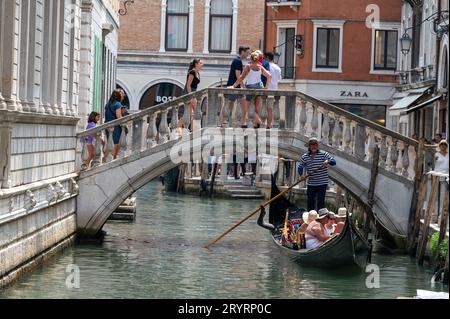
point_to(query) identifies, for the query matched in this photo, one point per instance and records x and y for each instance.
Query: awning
(423, 104)
(409, 99)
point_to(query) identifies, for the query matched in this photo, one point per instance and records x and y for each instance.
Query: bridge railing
(292, 110)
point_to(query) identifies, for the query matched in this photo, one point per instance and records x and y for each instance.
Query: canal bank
(164, 250)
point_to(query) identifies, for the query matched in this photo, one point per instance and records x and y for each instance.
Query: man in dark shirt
(266, 66)
(236, 69)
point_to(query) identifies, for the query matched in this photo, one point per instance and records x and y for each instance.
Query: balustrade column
(264, 111)
(405, 159)
(280, 176)
(303, 117)
(174, 121)
(337, 133)
(347, 136)
(276, 112)
(360, 141)
(314, 121)
(372, 145)
(325, 129)
(394, 156)
(163, 128)
(383, 151)
(152, 131)
(97, 150)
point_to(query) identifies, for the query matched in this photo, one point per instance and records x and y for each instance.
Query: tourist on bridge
(275, 70)
(93, 119)
(316, 163)
(192, 82)
(237, 66)
(113, 111)
(252, 74)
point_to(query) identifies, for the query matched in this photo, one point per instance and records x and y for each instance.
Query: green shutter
(97, 96)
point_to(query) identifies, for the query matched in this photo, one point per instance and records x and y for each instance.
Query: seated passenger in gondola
(340, 218)
(331, 225)
(316, 233)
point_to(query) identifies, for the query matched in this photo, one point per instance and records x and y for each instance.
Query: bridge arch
(133, 172)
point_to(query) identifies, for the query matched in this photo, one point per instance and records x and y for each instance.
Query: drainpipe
(438, 47)
(264, 49)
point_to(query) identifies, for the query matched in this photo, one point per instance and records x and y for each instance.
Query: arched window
(221, 24)
(177, 25)
(159, 93)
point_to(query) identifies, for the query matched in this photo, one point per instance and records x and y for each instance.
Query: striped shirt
(311, 164)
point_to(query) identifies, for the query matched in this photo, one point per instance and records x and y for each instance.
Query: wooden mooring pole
(181, 175)
(417, 201)
(371, 194)
(426, 225)
(213, 179)
(444, 217)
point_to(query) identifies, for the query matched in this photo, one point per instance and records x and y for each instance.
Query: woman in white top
(252, 72)
(441, 158)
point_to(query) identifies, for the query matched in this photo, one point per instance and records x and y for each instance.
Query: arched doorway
(160, 93)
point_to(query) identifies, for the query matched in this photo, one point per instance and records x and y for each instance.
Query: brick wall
(140, 28)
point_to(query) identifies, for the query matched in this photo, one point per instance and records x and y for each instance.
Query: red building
(344, 52)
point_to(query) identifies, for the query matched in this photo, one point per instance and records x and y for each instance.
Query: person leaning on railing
(113, 111)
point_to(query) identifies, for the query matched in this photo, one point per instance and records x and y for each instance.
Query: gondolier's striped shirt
(320, 177)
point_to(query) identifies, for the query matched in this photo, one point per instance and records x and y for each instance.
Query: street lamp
(405, 43)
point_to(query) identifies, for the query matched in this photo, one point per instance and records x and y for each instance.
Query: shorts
(116, 134)
(257, 86)
(233, 97)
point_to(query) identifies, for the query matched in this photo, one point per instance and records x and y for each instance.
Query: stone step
(247, 196)
(244, 191)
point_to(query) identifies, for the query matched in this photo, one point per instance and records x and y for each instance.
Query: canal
(161, 255)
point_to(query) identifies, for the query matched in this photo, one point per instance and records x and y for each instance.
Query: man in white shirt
(276, 77)
(441, 162)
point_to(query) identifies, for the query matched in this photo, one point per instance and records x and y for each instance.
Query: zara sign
(354, 94)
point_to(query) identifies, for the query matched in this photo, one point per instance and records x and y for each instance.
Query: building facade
(345, 54)
(421, 100)
(159, 38)
(49, 75)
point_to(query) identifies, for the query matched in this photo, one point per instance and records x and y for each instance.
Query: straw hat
(323, 212)
(305, 217)
(312, 216)
(342, 213)
(312, 140)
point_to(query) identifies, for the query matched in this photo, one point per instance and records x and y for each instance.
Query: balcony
(417, 76)
(276, 4)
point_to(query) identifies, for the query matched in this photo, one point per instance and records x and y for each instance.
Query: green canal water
(161, 255)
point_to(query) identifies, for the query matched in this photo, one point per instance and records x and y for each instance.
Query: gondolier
(316, 163)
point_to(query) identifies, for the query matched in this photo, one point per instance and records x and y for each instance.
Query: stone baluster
(276, 112)
(97, 150)
(109, 145)
(303, 118)
(383, 151)
(372, 145)
(224, 168)
(264, 112)
(258, 177)
(293, 172)
(325, 128)
(394, 155)
(186, 119)
(197, 115)
(174, 119)
(152, 131)
(405, 159)
(337, 133)
(360, 141)
(314, 121)
(84, 150)
(280, 177)
(347, 136)
(164, 131)
(123, 139)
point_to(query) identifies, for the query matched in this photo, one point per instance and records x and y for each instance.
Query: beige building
(158, 39)
(421, 100)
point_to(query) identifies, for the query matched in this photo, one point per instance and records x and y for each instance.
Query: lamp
(405, 43)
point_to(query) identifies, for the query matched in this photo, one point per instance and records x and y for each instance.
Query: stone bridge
(154, 145)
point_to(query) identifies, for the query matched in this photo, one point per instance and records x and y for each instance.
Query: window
(221, 22)
(177, 25)
(327, 50)
(287, 57)
(385, 46)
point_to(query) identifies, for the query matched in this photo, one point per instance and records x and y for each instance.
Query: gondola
(348, 248)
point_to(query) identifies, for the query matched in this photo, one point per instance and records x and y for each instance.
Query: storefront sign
(354, 94)
(160, 93)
